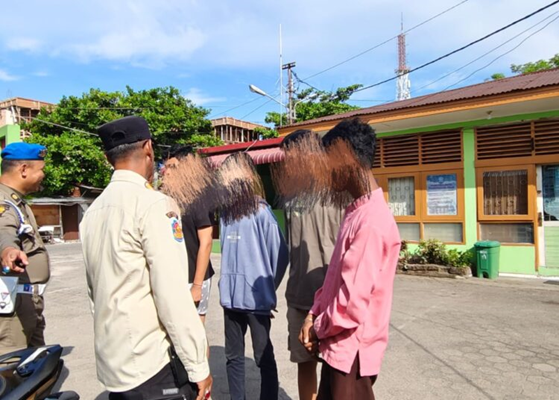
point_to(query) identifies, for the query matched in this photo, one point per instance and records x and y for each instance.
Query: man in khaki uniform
(22, 251)
(137, 272)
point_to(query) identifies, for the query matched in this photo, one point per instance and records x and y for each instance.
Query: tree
(497, 76)
(312, 103)
(76, 156)
(540, 65)
(266, 133)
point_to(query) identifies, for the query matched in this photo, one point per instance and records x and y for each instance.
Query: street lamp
(257, 90)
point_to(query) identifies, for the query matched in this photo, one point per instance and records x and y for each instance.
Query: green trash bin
(487, 257)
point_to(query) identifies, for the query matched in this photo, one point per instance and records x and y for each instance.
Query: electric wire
(387, 41)
(461, 48)
(256, 109)
(503, 54)
(483, 55)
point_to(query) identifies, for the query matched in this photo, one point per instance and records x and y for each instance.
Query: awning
(259, 156)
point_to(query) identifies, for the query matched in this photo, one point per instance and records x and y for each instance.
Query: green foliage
(72, 159)
(198, 140)
(497, 76)
(540, 65)
(266, 133)
(312, 103)
(405, 255)
(435, 252)
(431, 252)
(77, 158)
(459, 259)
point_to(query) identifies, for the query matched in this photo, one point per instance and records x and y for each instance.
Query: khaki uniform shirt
(31, 244)
(137, 275)
(312, 237)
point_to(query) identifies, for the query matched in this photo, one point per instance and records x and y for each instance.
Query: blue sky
(213, 49)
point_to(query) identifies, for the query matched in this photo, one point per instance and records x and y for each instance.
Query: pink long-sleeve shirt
(353, 306)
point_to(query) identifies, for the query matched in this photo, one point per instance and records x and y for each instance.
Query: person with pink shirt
(348, 323)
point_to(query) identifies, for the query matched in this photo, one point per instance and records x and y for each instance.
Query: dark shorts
(161, 387)
(335, 384)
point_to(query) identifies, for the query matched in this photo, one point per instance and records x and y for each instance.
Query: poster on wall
(441, 194)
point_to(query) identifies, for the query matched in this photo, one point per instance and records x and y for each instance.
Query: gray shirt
(311, 236)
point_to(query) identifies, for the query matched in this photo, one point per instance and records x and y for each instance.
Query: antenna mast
(403, 84)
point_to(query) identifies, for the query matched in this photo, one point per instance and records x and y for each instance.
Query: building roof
(512, 84)
(235, 122)
(25, 103)
(259, 156)
(232, 148)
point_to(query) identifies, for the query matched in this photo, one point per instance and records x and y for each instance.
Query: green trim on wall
(518, 259)
(473, 124)
(470, 195)
(216, 246)
(543, 271)
(280, 216)
(12, 133)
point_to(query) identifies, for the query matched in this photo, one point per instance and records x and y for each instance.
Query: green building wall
(513, 259)
(11, 133)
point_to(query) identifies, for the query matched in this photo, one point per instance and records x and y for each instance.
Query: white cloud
(200, 99)
(7, 77)
(23, 44)
(227, 35)
(41, 74)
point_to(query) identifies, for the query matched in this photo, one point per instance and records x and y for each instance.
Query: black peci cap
(123, 131)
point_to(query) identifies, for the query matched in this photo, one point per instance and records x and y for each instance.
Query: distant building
(12, 112)
(232, 130)
(17, 109)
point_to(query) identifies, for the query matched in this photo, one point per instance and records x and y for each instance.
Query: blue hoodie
(254, 258)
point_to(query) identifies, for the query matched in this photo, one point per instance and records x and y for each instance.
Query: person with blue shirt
(254, 259)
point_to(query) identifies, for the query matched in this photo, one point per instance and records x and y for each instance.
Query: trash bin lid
(487, 244)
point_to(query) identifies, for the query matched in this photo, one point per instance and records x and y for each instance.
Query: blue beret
(24, 151)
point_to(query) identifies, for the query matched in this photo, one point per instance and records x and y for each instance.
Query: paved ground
(450, 339)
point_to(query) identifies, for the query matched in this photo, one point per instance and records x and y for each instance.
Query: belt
(28, 288)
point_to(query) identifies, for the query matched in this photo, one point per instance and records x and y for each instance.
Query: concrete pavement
(450, 339)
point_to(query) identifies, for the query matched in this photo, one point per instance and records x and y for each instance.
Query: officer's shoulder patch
(172, 214)
(177, 230)
(15, 197)
(3, 208)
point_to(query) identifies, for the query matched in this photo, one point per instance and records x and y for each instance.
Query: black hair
(361, 137)
(179, 151)
(10, 165)
(240, 155)
(295, 136)
(123, 151)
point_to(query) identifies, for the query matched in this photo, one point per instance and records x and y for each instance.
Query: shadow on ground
(220, 389)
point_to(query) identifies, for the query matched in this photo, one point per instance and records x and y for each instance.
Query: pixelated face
(170, 167)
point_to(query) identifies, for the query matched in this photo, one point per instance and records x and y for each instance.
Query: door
(550, 192)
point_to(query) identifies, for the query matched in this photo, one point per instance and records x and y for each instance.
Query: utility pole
(290, 91)
(403, 84)
(281, 76)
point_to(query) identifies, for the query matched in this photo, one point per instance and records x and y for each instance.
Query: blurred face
(33, 174)
(170, 167)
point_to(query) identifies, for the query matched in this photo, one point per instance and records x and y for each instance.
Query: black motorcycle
(31, 374)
